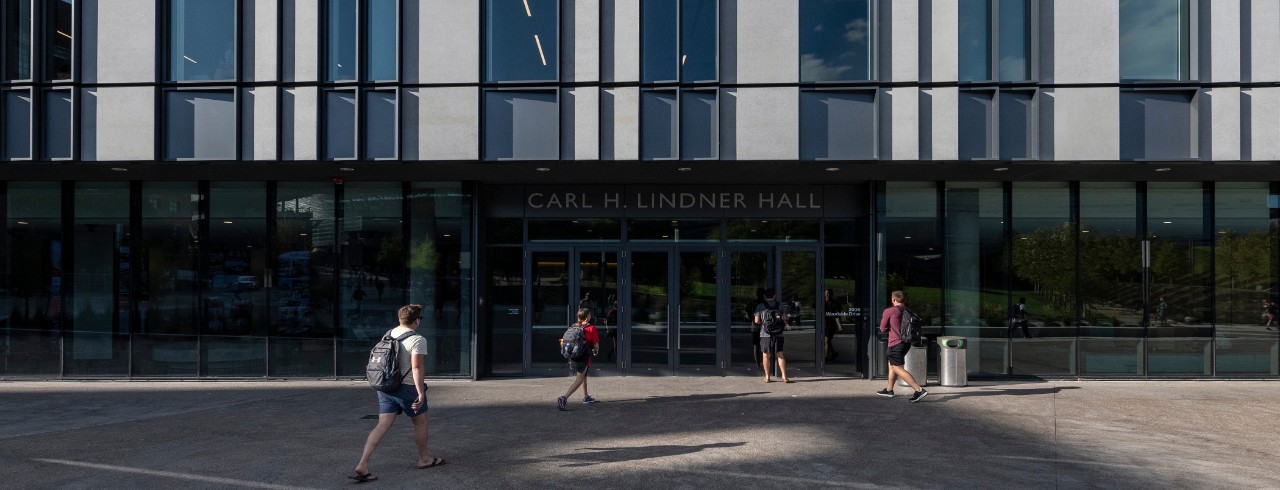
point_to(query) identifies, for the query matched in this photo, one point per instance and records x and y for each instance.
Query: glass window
(659, 116)
(835, 40)
(200, 124)
(32, 296)
(773, 230)
(440, 273)
(912, 251)
(504, 286)
(673, 230)
(699, 135)
(1003, 22)
(1180, 318)
(1044, 275)
(575, 229)
(1015, 40)
(17, 42)
(1018, 128)
(57, 124)
(1245, 270)
(17, 119)
(975, 264)
(838, 125)
(1155, 39)
(522, 40)
(521, 125)
(340, 124)
(974, 49)
(98, 283)
(303, 302)
(168, 254)
(58, 36)
(380, 117)
(383, 29)
(202, 40)
(342, 39)
(1158, 126)
(977, 118)
(235, 298)
(689, 56)
(373, 253)
(1111, 280)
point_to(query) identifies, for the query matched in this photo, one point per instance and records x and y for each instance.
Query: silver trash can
(917, 363)
(953, 366)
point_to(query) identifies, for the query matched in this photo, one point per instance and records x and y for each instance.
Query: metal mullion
(993, 40)
(202, 271)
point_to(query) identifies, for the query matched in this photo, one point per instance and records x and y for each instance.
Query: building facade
(251, 188)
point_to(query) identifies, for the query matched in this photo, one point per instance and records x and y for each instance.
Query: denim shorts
(401, 400)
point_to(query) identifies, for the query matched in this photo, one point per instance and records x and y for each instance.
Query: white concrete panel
(1085, 41)
(119, 123)
(1220, 109)
(620, 123)
(580, 60)
(765, 43)
(767, 123)
(448, 126)
(1261, 112)
(1220, 47)
(620, 45)
(300, 112)
(580, 122)
(1086, 123)
(448, 48)
(899, 40)
(939, 30)
(900, 123)
(260, 122)
(940, 116)
(258, 34)
(118, 42)
(301, 40)
(1264, 41)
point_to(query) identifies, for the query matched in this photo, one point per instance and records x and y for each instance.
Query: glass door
(596, 288)
(549, 291)
(800, 303)
(750, 273)
(697, 325)
(649, 313)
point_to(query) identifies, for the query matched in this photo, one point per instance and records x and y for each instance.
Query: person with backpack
(772, 324)
(892, 321)
(405, 392)
(1018, 318)
(580, 342)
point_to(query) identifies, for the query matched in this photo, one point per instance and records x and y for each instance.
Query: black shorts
(771, 344)
(897, 354)
(580, 365)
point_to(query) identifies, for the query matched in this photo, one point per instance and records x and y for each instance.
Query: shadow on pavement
(942, 397)
(596, 455)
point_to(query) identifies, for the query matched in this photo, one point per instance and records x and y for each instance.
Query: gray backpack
(383, 369)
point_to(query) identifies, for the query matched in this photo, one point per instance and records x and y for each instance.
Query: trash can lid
(952, 342)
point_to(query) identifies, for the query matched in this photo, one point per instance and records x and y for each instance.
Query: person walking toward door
(891, 322)
(582, 364)
(772, 324)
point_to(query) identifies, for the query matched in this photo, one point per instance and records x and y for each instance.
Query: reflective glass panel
(698, 27)
(382, 30)
(673, 230)
(659, 135)
(977, 120)
(100, 287)
(340, 124)
(660, 41)
(1180, 309)
(835, 40)
(1157, 125)
(200, 125)
(372, 248)
(32, 295)
(1154, 39)
(843, 312)
(1246, 311)
(522, 40)
(975, 264)
(912, 260)
(699, 137)
(1015, 40)
(794, 230)
(1044, 275)
(504, 286)
(306, 289)
(380, 124)
(521, 125)
(17, 42)
(1017, 124)
(235, 298)
(837, 125)
(57, 124)
(440, 274)
(17, 127)
(1111, 280)
(202, 35)
(341, 39)
(165, 343)
(974, 48)
(575, 230)
(58, 36)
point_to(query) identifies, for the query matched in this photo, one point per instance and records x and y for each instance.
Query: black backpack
(910, 330)
(573, 344)
(383, 370)
(771, 320)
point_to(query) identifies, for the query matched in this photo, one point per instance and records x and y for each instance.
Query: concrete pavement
(669, 433)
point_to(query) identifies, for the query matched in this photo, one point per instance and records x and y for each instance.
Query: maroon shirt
(891, 321)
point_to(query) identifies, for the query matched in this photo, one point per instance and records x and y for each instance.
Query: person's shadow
(1005, 391)
(689, 398)
(588, 456)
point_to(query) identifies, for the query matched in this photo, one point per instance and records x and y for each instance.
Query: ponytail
(584, 314)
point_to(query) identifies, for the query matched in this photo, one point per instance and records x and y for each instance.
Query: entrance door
(563, 281)
(650, 312)
(698, 323)
(750, 273)
(801, 302)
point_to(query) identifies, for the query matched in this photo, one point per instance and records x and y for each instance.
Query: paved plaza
(647, 432)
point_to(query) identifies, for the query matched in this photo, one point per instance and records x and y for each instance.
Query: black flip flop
(362, 477)
(434, 462)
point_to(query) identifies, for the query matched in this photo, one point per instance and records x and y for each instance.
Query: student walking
(582, 364)
(772, 324)
(1018, 318)
(410, 397)
(891, 322)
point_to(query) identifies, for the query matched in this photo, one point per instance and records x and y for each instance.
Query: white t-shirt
(413, 345)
